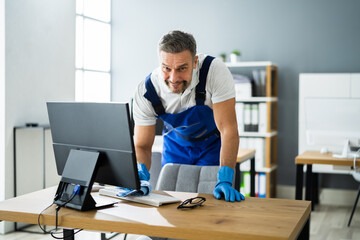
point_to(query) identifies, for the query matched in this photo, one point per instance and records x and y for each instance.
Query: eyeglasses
(192, 203)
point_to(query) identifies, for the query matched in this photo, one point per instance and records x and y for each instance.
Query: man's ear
(195, 62)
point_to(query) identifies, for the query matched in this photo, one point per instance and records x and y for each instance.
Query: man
(194, 95)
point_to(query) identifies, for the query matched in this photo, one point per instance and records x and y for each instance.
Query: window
(93, 48)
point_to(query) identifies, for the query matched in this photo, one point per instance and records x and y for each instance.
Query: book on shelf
(259, 77)
(263, 82)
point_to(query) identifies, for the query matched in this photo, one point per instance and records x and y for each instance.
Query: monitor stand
(345, 151)
(80, 169)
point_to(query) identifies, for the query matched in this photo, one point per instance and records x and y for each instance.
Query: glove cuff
(225, 175)
(143, 172)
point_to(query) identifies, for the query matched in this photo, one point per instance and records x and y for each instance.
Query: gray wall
(298, 36)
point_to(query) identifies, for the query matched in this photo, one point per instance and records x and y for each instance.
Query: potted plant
(234, 55)
(223, 57)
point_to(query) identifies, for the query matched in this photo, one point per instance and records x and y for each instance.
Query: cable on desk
(55, 231)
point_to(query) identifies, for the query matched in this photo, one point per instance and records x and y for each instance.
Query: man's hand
(224, 186)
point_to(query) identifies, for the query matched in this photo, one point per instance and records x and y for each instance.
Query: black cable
(39, 219)
(53, 234)
(55, 231)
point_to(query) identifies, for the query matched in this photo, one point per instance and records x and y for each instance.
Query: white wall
(2, 100)
(39, 64)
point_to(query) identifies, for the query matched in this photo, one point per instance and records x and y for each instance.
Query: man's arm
(225, 119)
(144, 138)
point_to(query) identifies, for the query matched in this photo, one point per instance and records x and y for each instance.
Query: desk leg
(104, 237)
(252, 177)
(309, 178)
(305, 232)
(68, 234)
(309, 185)
(299, 181)
(315, 185)
(237, 176)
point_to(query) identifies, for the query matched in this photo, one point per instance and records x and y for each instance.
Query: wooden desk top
(254, 218)
(315, 157)
(245, 154)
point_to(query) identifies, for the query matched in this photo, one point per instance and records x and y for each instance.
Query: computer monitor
(332, 123)
(92, 142)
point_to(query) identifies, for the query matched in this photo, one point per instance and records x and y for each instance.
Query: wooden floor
(330, 223)
(327, 222)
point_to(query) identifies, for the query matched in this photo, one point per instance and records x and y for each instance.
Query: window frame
(80, 83)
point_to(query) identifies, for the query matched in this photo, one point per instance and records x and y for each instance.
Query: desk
(315, 157)
(244, 155)
(254, 218)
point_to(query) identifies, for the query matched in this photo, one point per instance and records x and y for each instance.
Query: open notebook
(153, 199)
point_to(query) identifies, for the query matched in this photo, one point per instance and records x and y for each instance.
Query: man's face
(177, 69)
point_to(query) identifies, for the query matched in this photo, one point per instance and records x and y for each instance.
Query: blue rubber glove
(224, 186)
(144, 177)
(143, 172)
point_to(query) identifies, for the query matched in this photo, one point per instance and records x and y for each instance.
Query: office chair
(187, 178)
(356, 176)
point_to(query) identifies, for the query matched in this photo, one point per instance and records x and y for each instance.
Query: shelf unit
(34, 161)
(270, 135)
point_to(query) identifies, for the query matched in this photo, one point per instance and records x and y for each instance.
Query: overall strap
(200, 94)
(152, 96)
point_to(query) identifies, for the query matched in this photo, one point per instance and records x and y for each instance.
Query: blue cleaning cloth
(145, 189)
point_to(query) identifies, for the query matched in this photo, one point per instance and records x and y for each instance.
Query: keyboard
(153, 199)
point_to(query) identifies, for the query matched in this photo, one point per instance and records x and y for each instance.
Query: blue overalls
(191, 136)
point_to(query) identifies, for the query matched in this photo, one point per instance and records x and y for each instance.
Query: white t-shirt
(219, 88)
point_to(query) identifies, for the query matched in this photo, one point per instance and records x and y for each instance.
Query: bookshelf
(258, 127)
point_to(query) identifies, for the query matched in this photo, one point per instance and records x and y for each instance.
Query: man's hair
(178, 41)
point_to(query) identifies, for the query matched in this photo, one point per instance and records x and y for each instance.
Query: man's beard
(184, 86)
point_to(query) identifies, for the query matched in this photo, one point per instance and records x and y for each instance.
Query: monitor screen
(103, 128)
(330, 122)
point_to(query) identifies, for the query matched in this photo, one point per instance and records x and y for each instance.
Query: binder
(246, 180)
(259, 146)
(263, 82)
(257, 185)
(239, 109)
(247, 117)
(262, 185)
(254, 117)
(263, 121)
(256, 77)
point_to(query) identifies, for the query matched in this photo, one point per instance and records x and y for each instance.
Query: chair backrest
(187, 178)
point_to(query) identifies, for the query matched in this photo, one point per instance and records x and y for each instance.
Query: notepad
(153, 199)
